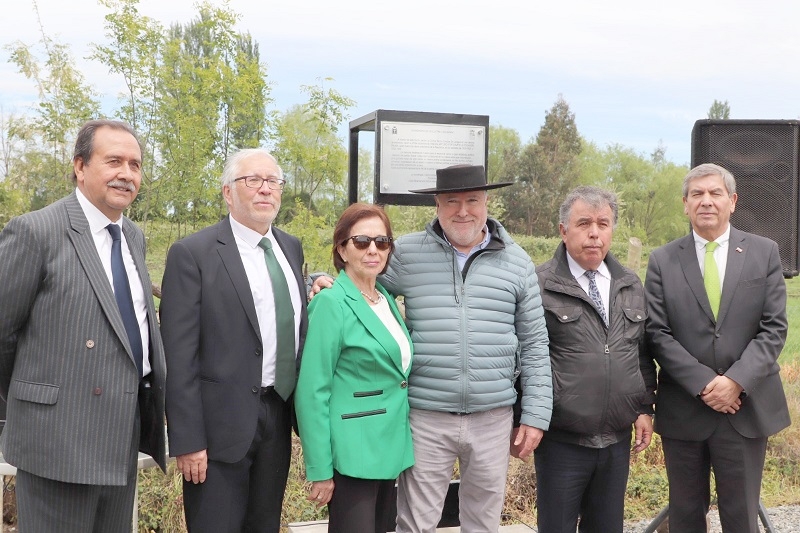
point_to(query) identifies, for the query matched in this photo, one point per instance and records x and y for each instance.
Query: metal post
(658, 520)
(762, 514)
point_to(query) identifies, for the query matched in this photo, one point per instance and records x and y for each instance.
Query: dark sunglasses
(361, 242)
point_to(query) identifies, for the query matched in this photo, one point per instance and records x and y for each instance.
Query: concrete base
(321, 526)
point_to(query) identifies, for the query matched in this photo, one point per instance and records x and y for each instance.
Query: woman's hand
(321, 492)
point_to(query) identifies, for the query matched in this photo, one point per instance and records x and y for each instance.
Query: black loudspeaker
(763, 157)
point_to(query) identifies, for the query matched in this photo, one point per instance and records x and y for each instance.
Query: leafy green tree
(650, 208)
(719, 110)
(212, 100)
(547, 170)
(134, 52)
(65, 102)
(504, 152)
(310, 151)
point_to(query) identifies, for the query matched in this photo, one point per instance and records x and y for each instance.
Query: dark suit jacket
(66, 365)
(743, 343)
(213, 342)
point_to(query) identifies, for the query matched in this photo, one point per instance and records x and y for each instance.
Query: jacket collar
(370, 320)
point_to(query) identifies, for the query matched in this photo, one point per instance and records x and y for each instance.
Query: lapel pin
(739, 249)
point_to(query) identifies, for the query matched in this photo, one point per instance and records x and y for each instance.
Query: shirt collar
(97, 220)
(578, 271)
(247, 235)
(723, 239)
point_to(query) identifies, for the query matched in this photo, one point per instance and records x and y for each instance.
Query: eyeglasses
(362, 242)
(256, 182)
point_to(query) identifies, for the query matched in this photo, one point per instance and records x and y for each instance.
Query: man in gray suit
(717, 323)
(81, 362)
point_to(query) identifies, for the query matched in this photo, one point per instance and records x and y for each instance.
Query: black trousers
(738, 464)
(246, 496)
(361, 505)
(575, 481)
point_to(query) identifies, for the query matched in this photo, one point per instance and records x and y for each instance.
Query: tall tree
(312, 154)
(504, 153)
(134, 52)
(547, 170)
(649, 207)
(65, 102)
(719, 110)
(212, 100)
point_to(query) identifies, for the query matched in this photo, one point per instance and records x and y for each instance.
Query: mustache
(122, 185)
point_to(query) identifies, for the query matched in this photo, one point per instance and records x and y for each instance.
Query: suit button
(90, 344)
(258, 352)
(255, 390)
(97, 391)
(403, 384)
(720, 371)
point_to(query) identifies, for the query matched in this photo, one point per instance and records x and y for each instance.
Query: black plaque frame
(373, 121)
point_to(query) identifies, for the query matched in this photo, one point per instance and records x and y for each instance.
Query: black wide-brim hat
(461, 178)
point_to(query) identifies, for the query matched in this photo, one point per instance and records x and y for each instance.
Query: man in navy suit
(228, 401)
(717, 324)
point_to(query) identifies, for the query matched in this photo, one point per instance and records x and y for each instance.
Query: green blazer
(352, 393)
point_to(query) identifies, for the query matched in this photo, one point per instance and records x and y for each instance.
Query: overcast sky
(634, 73)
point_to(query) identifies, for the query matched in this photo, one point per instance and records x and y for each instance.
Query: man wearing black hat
(474, 310)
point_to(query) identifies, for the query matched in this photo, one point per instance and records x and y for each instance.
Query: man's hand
(722, 395)
(524, 440)
(322, 282)
(193, 466)
(321, 492)
(644, 432)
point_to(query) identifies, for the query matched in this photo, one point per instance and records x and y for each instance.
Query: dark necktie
(711, 277)
(594, 294)
(122, 292)
(285, 371)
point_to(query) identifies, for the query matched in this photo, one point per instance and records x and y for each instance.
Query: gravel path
(784, 520)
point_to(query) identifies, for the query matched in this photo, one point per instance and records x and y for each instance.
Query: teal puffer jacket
(470, 329)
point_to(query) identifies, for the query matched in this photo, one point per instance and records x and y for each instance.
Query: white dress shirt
(260, 286)
(720, 254)
(602, 279)
(102, 241)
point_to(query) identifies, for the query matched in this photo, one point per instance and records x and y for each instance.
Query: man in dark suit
(232, 360)
(81, 361)
(717, 323)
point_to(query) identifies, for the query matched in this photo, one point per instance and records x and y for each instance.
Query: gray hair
(594, 196)
(710, 169)
(234, 160)
(84, 142)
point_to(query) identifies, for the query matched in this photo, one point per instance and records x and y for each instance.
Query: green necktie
(711, 278)
(285, 370)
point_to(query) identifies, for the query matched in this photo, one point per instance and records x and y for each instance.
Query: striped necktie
(594, 294)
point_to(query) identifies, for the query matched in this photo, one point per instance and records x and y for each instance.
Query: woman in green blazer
(352, 393)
